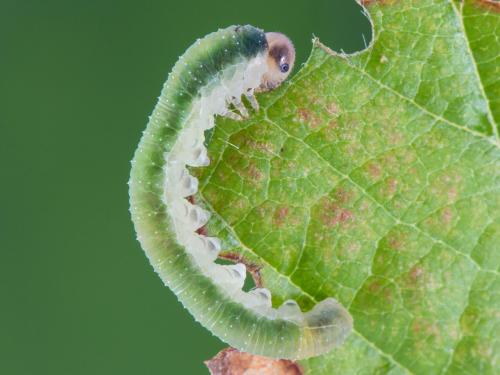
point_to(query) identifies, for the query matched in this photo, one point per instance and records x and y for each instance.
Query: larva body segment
(214, 72)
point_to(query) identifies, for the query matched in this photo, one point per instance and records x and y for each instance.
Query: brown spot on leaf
(332, 124)
(374, 170)
(416, 326)
(304, 114)
(233, 362)
(266, 147)
(392, 186)
(261, 211)
(447, 215)
(452, 194)
(395, 138)
(424, 327)
(391, 162)
(280, 216)
(332, 108)
(374, 287)
(388, 295)
(415, 273)
(254, 173)
(396, 241)
(342, 195)
(308, 117)
(334, 214)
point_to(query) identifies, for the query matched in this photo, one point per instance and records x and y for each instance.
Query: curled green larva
(208, 80)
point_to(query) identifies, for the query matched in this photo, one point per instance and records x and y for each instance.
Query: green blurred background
(77, 82)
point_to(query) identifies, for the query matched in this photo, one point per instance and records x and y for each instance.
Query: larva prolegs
(214, 74)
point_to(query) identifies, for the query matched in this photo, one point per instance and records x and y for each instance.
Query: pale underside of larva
(214, 74)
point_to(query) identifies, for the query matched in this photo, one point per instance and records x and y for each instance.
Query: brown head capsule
(280, 60)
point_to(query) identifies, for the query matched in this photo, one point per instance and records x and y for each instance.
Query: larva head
(280, 60)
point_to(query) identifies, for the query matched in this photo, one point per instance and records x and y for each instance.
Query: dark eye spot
(284, 68)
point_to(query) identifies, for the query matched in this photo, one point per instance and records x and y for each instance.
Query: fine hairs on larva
(233, 63)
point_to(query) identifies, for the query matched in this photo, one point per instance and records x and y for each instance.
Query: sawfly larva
(211, 79)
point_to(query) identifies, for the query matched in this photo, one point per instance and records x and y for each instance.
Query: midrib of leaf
(460, 20)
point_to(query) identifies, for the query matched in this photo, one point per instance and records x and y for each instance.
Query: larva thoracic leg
(238, 104)
(253, 101)
(231, 115)
(213, 75)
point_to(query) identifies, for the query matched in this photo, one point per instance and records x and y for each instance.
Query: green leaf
(374, 178)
